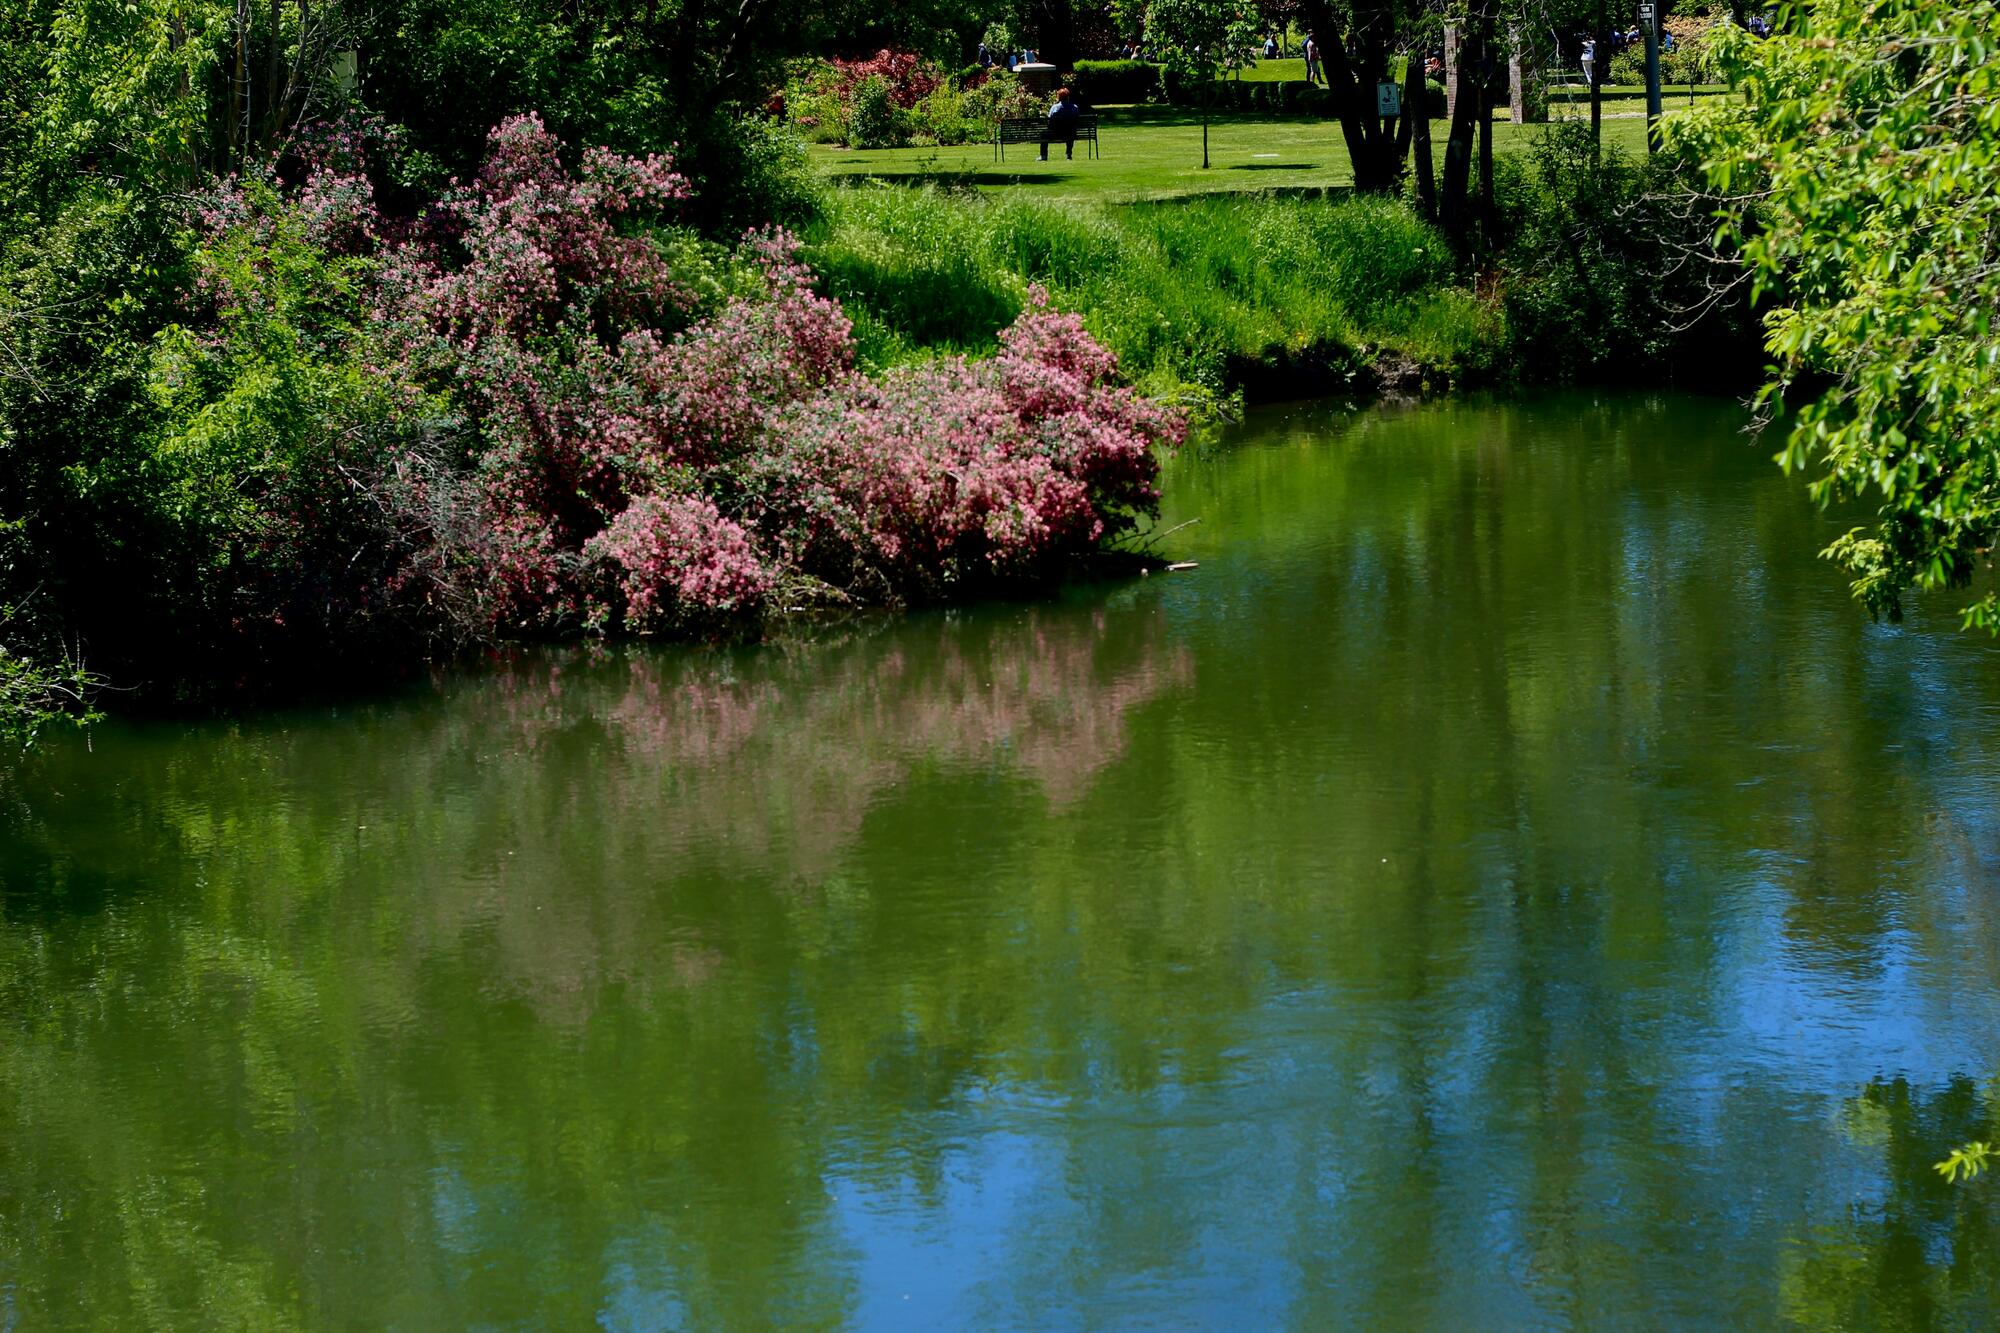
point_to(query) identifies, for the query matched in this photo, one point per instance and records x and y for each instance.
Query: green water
(1508, 884)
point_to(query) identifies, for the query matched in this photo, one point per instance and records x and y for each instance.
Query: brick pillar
(1450, 68)
(1039, 78)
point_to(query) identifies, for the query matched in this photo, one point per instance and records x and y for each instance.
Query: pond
(1507, 883)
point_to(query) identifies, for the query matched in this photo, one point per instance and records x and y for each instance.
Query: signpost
(1388, 100)
(1649, 24)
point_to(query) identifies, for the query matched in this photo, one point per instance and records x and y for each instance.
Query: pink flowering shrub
(680, 551)
(572, 430)
(964, 472)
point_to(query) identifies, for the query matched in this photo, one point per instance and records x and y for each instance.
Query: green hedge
(1100, 82)
(1294, 96)
(1289, 96)
(1097, 82)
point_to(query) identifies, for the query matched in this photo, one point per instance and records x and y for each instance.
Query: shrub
(887, 101)
(1595, 273)
(955, 474)
(999, 96)
(775, 180)
(643, 439)
(1693, 59)
(872, 119)
(1628, 68)
(39, 692)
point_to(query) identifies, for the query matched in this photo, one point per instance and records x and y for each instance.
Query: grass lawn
(1155, 153)
(1272, 71)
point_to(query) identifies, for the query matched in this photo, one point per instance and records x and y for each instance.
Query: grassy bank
(1291, 292)
(1285, 296)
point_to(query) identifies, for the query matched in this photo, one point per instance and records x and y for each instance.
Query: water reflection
(1505, 885)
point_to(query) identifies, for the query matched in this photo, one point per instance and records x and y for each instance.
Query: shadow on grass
(1115, 118)
(951, 179)
(1276, 166)
(1178, 198)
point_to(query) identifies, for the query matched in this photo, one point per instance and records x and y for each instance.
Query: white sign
(1649, 16)
(1388, 99)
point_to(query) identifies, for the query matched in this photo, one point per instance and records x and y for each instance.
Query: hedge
(1100, 81)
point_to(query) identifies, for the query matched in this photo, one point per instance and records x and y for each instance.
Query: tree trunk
(1352, 71)
(1055, 32)
(1488, 214)
(1206, 93)
(297, 90)
(1417, 117)
(272, 58)
(1454, 201)
(176, 39)
(239, 84)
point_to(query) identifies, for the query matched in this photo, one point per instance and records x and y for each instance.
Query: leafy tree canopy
(1863, 170)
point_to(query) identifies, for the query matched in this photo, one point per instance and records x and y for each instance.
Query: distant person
(985, 57)
(1270, 47)
(1590, 61)
(1312, 59)
(1010, 62)
(1062, 124)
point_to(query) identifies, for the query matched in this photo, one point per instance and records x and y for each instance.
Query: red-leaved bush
(622, 447)
(909, 77)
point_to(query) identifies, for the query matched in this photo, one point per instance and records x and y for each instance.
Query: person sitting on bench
(1062, 124)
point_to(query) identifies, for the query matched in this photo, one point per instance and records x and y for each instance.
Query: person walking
(1312, 59)
(1590, 61)
(1062, 124)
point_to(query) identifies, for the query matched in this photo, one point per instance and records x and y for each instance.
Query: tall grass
(1213, 292)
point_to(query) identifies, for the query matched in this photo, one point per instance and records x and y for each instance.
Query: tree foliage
(1863, 169)
(1198, 39)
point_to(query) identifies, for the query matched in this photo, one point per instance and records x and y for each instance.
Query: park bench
(1039, 130)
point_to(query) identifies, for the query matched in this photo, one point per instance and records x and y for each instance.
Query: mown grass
(1151, 153)
(1286, 296)
(1285, 69)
